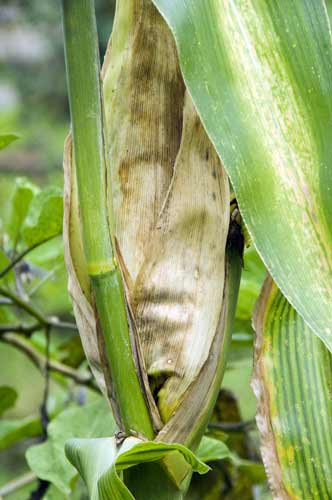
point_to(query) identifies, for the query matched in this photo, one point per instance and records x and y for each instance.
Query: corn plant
(211, 120)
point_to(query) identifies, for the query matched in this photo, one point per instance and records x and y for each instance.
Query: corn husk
(169, 199)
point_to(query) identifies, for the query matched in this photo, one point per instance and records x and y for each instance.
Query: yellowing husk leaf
(170, 198)
(292, 383)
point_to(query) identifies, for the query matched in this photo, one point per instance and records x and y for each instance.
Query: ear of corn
(168, 195)
(143, 100)
(178, 292)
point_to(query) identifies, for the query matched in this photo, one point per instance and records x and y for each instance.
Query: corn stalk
(102, 267)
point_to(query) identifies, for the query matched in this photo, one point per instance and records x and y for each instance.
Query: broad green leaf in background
(100, 463)
(260, 74)
(53, 494)
(293, 384)
(15, 430)
(9, 276)
(211, 450)
(254, 470)
(252, 278)
(44, 218)
(48, 278)
(47, 255)
(239, 364)
(48, 460)
(6, 314)
(8, 397)
(239, 361)
(6, 139)
(23, 193)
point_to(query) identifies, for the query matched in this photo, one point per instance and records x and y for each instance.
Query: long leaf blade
(292, 381)
(100, 462)
(260, 74)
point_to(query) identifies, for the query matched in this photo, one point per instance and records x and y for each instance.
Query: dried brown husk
(170, 203)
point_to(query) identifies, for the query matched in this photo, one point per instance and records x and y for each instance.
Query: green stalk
(83, 79)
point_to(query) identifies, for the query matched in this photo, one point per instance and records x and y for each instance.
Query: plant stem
(21, 255)
(24, 305)
(62, 325)
(29, 329)
(32, 311)
(17, 484)
(39, 360)
(26, 330)
(83, 79)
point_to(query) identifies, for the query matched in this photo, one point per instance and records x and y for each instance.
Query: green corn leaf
(6, 139)
(100, 462)
(260, 75)
(48, 460)
(8, 397)
(44, 220)
(293, 383)
(92, 458)
(24, 192)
